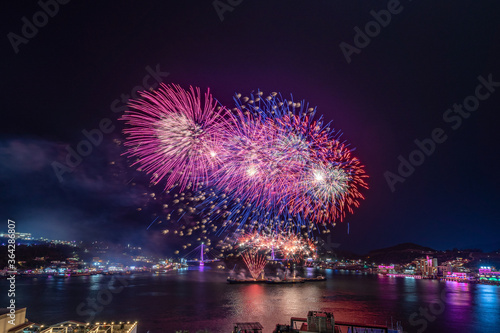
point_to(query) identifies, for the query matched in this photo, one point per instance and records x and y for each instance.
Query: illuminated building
(18, 235)
(427, 266)
(442, 269)
(487, 274)
(457, 276)
(78, 327)
(22, 325)
(383, 269)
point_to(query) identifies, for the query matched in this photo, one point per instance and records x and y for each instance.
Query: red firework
(255, 263)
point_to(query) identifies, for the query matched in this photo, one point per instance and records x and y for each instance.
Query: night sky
(384, 93)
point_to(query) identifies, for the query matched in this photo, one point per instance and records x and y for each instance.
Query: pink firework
(283, 161)
(255, 163)
(174, 135)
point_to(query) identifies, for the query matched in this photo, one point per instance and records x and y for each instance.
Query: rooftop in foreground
(20, 324)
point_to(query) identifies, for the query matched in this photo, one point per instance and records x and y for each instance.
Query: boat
(250, 280)
(315, 279)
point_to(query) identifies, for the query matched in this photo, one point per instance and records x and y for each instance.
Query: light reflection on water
(200, 298)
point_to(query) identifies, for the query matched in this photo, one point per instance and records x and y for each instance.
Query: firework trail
(255, 263)
(174, 135)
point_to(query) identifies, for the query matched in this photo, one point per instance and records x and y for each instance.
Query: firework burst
(173, 135)
(255, 263)
(288, 246)
(283, 164)
(270, 165)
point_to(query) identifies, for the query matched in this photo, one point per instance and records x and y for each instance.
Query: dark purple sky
(395, 90)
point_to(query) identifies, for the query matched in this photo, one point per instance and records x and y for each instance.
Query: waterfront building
(488, 274)
(457, 276)
(385, 269)
(426, 267)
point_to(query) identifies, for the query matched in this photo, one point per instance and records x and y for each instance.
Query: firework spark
(282, 162)
(289, 246)
(269, 166)
(173, 134)
(255, 263)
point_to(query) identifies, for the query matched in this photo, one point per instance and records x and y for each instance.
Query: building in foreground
(11, 318)
(23, 325)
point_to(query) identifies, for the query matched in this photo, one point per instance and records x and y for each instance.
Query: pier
(318, 322)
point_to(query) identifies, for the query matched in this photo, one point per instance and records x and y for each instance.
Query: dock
(318, 322)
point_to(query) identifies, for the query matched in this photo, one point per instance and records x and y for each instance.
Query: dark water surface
(198, 299)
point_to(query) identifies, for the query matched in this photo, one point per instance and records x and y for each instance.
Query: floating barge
(317, 322)
(286, 281)
(239, 281)
(271, 281)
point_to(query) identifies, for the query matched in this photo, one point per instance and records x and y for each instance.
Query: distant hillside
(399, 253)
